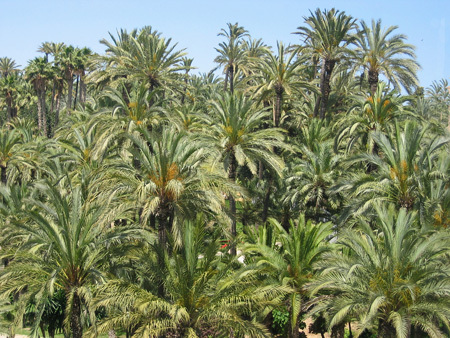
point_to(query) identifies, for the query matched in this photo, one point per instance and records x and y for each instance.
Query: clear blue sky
(194, 24)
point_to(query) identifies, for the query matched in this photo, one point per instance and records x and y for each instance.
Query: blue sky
(194, 24)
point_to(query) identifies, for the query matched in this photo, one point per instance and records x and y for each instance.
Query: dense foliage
(143, 200)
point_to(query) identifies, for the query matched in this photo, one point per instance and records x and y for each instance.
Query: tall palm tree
(292, 260)
(39, 73)
(388, 277)
(8, 66)
(279, 76)
(146, 56)
(231, 53)
(329, 35)
(380, 53)
(166, 180)
(236, 135)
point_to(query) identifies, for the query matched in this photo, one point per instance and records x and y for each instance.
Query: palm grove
(309, 181)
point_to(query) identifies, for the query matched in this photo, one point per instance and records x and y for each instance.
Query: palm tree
(292, 261)
(39, 72)
(144, 56)
(67, 61)
(166, 180)
(278, 77)
(236, 135)
(231, 52)
(9, 88)
(62, 244)
(388, 276)
(329, 35)
(379, 53)
(203, 295)
(376, 112)
(310, 180)
(8, 66)
(403, 160)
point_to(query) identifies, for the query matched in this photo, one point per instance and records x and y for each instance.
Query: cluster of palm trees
(139, 199)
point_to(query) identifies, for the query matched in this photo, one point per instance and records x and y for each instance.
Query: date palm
(231, 53)
(329, 35)
(380, 53)
(166, 179)
(8, 66)
(402, 162)
(145, 56)
(278, 77)
(292, 262)
(9, 140)
(389, 276)
(234, 131)
(39, 73)
(377, 113)
(203, 295)
(62, 245)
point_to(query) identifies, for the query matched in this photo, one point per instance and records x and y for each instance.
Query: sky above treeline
(194, 24)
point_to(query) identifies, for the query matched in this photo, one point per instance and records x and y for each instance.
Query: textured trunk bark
(325, 85)
(44, 114)
(76, 92)
(75, 317)
(232, 79)
(277, 107)
(83, 89)
(232, 176)
(69, 79)
(3, 174)
(373, 81)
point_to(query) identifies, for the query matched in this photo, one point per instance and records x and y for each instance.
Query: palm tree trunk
(82, 90)
(226, 81)
(232, 169)
(232, 79)
(373, 81)
(76, 92)
(325, 89)
(3, 174)
(75, 317)
(277, 107)
(266, 202)
(69, 79)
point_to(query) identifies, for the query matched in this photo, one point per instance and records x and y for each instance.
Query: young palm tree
(292, 263)
(389, 277)
(62, 244)
(310, 181)
(401, 164)
(202, 294)
(9, 139)
(376, 113)
(380, 53)
(328, 35)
